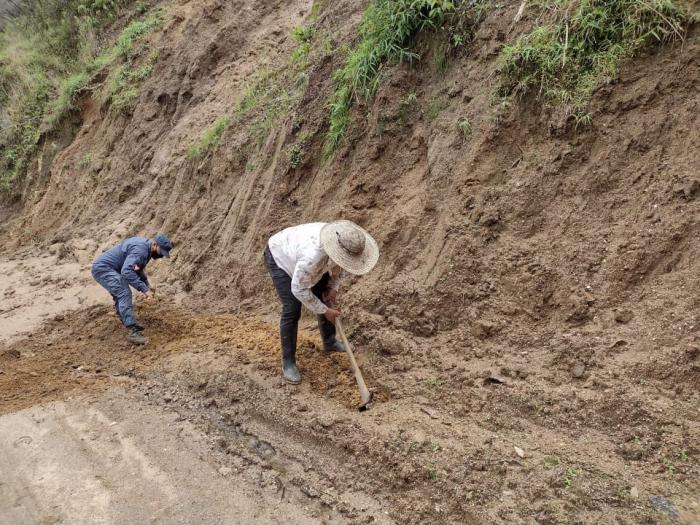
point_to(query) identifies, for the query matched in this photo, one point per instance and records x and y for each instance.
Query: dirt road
(113, 459)
(83, 441)
(199, 427)
(39, 287)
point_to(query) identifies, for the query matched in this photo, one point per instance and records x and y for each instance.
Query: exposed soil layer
(537, 287)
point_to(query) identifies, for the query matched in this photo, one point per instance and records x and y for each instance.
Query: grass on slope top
(584, 45)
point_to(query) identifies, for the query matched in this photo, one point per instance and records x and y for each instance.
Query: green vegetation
(386, 28)
(408, 100)
(123, 87)
(441, 62)
(210, 140)
(303, 36)
(265, 92)
(566, 60)
(39, 51)
(435, 107)
(551, 461)
(315, 10)
(48, 57)
(465, 126)
(467, 17)
(435, 382)
(268, 99)
(268, 96)
(569, 477)
(405, 105)
(67, 94)
(85, 161)
(296, 155)
(297, 152)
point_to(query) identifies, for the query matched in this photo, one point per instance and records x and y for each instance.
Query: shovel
(365, 394)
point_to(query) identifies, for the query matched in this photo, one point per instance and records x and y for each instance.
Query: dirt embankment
(537, 289)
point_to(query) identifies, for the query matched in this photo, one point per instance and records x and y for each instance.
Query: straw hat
(349, 246)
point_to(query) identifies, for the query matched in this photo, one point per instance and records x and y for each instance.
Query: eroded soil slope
(537, 288)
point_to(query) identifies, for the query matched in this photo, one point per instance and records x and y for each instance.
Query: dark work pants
(116, 285)
(291, 307)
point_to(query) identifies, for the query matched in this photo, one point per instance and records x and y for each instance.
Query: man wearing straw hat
(307, 264)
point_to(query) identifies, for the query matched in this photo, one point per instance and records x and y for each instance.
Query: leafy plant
(24, 133)
(85, 161)
(405, 104)
(467, 16)
(296, 155)
(408, 100)
(465, 126)
(385, 30)
(67, 94)
(315, 10)
(584, 47)
(569, 477)
(303, 36)
(435, 382)
(209, 140)
(124, 45)
(267, 97)
(123, 87)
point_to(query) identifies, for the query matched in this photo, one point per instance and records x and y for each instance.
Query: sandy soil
(41, 287)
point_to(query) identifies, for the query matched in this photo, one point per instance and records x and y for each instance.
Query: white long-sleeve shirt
(297, 251)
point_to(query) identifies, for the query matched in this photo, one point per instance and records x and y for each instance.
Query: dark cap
(164, 243)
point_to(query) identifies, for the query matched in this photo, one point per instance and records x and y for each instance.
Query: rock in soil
(663, 505)
(578, 370)
(624, 316)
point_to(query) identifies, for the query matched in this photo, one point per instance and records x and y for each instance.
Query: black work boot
(290, 371)
(136, 336)
(289, 365)
(327, 329)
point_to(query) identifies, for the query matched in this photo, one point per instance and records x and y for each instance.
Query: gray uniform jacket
(128, 259)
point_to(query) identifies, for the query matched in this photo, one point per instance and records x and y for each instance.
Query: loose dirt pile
(87, 350)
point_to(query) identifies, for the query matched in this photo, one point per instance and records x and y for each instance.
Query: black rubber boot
(289, 365)
(327, 329)
(136, 336)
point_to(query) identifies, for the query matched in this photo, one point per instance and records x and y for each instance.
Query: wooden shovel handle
(365, 395)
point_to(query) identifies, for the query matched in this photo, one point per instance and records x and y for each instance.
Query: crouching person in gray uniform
(307, 264)
(123, 266)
